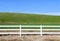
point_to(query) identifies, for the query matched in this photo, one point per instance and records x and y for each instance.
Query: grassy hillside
(23, 18)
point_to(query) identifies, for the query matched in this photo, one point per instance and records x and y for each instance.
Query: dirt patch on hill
(30, 38)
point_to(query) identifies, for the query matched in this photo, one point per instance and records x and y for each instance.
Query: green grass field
(25, 18)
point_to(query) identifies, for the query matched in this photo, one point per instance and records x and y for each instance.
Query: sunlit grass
(24, 18)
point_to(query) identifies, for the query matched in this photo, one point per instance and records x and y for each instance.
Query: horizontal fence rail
(29, 27)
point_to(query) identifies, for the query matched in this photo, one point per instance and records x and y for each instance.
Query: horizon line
(49, 13)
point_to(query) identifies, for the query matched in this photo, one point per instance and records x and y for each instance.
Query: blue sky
(31, 6)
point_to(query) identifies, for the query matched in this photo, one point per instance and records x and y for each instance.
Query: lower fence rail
(30, 33)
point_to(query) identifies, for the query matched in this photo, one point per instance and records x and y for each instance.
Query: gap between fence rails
(21, 29)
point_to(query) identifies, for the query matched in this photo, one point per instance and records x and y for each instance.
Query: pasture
(26, 18)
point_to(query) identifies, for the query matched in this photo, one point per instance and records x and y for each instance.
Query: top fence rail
(29, 25)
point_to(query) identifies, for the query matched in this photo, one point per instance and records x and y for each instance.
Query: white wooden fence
(20, 33)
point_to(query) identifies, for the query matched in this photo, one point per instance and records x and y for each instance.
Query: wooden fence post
(41, 30)
(20, 30)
